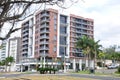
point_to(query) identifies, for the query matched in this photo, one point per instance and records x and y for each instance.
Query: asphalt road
(66, 74)
(107, 71)
(95, 76)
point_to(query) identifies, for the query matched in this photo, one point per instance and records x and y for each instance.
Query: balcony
(78, 31)
(26, 38)
(24, 43)
(25, 47)
(24, 52)
(79, 27)
(44, 26)
(83, 32)
(44, 31)
(25, 34)
(45, 14)
(44, 48)
(43, 54)
(24, 30)
(44, 37)
(45, 20)
(44, 42)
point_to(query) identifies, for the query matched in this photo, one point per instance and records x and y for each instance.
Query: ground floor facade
(66, 64)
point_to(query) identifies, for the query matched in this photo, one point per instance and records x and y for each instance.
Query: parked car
(113, 66)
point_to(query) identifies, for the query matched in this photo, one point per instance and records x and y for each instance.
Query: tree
(101, 56)
(13, 11)
(2, 63)
(9, 61)
(111, 53)
(89, 47)
(84, 44)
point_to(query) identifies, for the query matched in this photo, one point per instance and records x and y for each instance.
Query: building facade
(27, 44)
(49, 37)
(3, 51)
(14, 46)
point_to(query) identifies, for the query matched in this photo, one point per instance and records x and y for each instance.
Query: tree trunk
(89, 61)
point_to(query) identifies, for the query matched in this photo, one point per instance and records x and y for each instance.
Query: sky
(106, 15)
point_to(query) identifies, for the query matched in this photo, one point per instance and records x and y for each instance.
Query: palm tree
(101, 55)
(84, 43)
(8, 62)
(89, 47)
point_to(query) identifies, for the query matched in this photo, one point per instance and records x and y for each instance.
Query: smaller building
(3, 51)
(14, 46)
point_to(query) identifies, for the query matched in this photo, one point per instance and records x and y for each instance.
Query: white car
(113, 66)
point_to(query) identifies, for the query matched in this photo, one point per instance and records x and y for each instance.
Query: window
(63, 19)
(63, 40)
(62, 51)
(63, 30)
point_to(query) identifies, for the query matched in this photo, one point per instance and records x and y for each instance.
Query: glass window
(63, 40)
(63, 30)
(63, 19)
(62, 51)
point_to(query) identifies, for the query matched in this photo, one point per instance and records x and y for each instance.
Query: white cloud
(106, 15)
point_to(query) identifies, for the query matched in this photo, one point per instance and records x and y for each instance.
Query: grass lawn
(84, 72)
(43, 77)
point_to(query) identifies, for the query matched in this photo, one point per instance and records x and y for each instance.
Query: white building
(3, 51)
(14, 46)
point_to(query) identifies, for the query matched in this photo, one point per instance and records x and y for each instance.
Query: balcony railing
(44, 31)
(44, 42)
(45, 14)
(44, 26)
(44, 37)
(44, 48)
(45, 20)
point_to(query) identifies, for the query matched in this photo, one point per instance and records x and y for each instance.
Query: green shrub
(118, 70)
(45, 70)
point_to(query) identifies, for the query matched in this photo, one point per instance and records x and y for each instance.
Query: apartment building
(48, 38)
(3, 51)
(14, 46)
(27, 44)
(79, 26)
